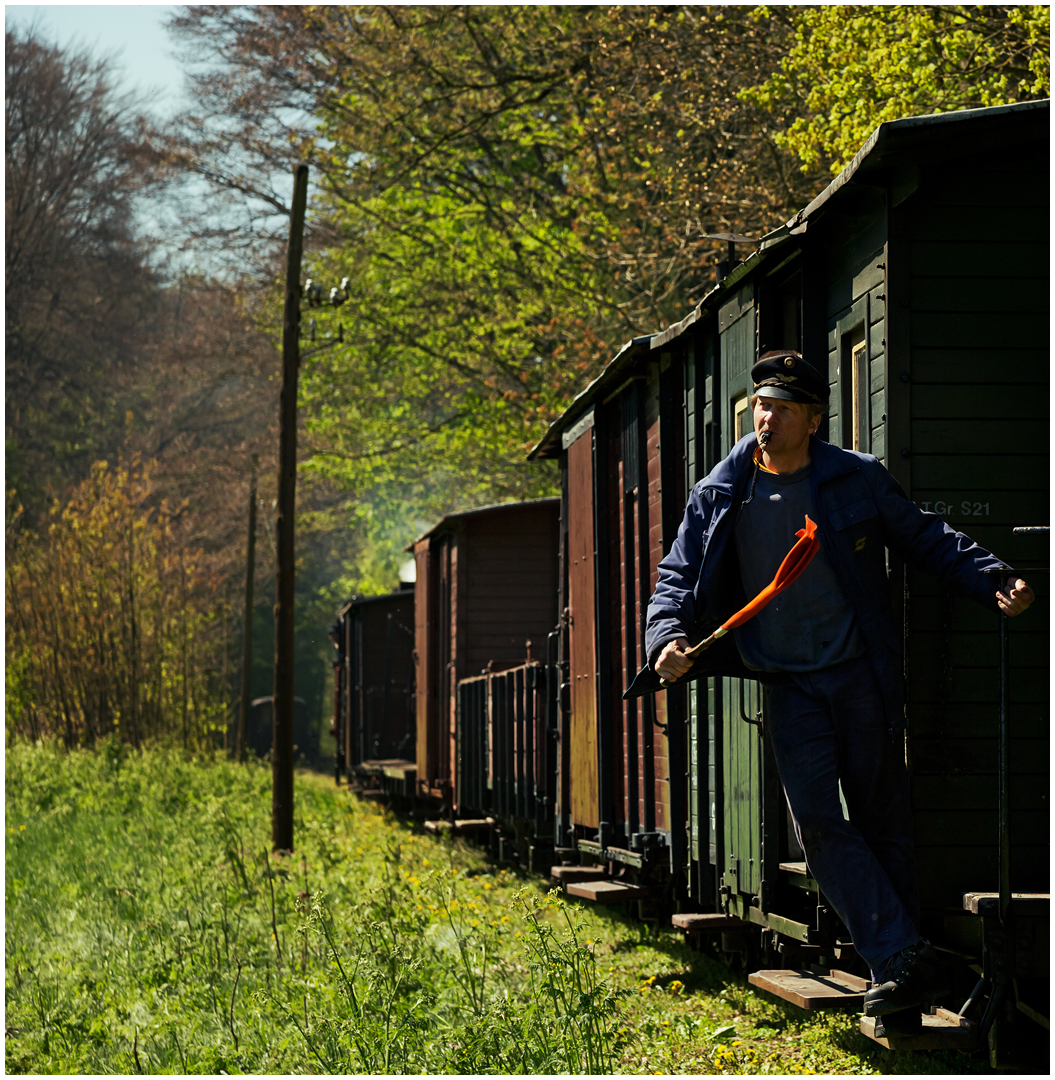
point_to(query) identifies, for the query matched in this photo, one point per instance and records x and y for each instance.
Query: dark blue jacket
(861, 511)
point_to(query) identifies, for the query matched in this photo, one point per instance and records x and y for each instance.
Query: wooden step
(942, 1030)
(798, 875)
(567, 875)
(606, 892)
(818, 989)
(1023, 905)
(707, 923)
(402, 770)
(461, 827)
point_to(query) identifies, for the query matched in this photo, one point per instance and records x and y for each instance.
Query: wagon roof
(550, 444)
(892, 138)
(458, 515)
(359, 601)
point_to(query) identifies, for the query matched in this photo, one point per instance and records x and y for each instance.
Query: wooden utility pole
(247, 637)
(282, 696)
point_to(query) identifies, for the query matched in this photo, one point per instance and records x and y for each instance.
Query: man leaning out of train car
(827, 650)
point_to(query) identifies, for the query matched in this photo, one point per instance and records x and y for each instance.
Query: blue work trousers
(829, 726)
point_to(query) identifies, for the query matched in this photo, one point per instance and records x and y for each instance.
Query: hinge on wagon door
(731, 877)
(647, 841)
(766, 895)
(757, 721)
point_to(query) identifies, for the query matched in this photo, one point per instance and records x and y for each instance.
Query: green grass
(149, 929)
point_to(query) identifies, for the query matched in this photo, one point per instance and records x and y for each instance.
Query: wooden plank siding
(510, 584)
(455, 668)
(860, 292)
(623, 509)
(425, 699)
(738, 748)
(932, 251)
(655, 796)
(701, 382)
(380, 668)
(581, 634)
(672, 802)
(487, 582)
(978, 327)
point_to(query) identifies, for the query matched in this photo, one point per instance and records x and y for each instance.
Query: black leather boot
(906, 1022)
(914, 976)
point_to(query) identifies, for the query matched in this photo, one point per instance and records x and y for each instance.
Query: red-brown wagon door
(581, 632)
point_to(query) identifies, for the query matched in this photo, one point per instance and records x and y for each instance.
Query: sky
(143, 54)
(134, 34)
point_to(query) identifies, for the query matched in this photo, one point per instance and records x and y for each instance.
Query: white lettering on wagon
(965, 508)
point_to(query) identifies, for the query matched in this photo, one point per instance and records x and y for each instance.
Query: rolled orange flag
(796, 560)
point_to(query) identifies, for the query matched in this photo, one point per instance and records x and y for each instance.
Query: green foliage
(110, 627)
(150, 929)
(511, 193)
(851, 67)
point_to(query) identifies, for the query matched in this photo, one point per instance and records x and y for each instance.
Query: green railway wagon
(921, 274)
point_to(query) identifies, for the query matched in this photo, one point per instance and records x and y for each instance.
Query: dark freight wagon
(260, 729)
(621, 447)
(485, 601)
(920, 278)
(921, 275)
(374, 689)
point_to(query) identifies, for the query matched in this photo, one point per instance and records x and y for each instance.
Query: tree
(112, 627)
(107, 359)
(511, 192)
(77, 288)
(850, 68)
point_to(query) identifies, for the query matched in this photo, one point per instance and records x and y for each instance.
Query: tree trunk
(282, 696)
(247, 644)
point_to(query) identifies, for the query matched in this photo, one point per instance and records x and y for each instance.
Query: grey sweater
(811, 624)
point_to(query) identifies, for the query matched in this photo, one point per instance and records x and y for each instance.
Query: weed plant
(150, 929)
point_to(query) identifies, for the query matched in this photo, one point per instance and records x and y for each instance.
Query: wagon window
(860, 395)
(742, 421)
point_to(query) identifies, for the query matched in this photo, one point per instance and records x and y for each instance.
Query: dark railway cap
(783, 374)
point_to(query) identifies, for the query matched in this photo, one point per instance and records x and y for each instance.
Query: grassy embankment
(149, 929)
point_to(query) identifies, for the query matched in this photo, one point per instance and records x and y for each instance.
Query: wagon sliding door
(434, 680)
(702, 408)
(973, 365)
(748, 857)
(582, 632)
